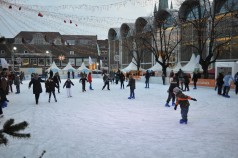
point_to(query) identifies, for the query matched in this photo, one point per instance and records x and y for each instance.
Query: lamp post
(61, 58)
(50, 56)
(13, 56)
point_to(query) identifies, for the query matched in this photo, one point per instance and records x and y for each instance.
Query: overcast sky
(89, 17)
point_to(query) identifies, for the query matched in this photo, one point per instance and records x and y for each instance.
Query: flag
(99, 52)
(100, 63)
(90, 60)
(4, 63)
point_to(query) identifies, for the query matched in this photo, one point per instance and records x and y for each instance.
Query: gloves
(175, 107)
(193, 99)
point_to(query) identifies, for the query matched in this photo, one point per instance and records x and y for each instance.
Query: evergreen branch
(8, 124)
(17, 127)
(19, 135)
(3, 140)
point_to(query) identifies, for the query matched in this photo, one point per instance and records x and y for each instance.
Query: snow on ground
(105, 124)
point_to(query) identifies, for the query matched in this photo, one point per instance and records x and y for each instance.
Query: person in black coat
(171, 95)
(186, 82)
(37, 89)
(68, 84)
(132, 85)
(106, 81)
(83, 79)
(50, 87)
(147, 79)
(122, 79)
(219, 83)
(51, 73)
(68, 74)
(195, 79)
(57, 80)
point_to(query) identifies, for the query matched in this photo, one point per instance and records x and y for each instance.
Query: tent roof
(83, 68)
(69, 67)
(131, 67)
(53, 67)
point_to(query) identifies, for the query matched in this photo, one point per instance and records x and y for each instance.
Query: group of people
(223, 84)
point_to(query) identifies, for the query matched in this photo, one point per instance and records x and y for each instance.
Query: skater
(10, 80)
(51, 74)
(68, 74)
(57, 80)
(182, 100)
(68, 84)
(227, 84)
(236, 82)
(17, 82)
(181, 79)
(147, 79)
(132, 84)
(122, 79)
(73, 74)
(171, 95)
(195, 79)
(219, 83)
(83, 79)
(106, 81)
(186, 82)
(90, 80)
(163, 78)
(37, 89)
(50, 87)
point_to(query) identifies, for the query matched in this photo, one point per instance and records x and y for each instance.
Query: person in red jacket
(90, 80)
(182, 100)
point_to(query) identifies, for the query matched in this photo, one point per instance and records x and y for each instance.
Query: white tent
(53, 67)
(177, 67)
(156, 67)
(192, 64)
(4, 63)
(83, 68)
(69, 67)
(131, 67)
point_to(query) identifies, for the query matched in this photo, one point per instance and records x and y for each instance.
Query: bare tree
(162, 40)
(208, 29)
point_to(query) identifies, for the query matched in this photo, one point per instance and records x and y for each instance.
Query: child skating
(132, 85)
(68, 84)
(182, 100)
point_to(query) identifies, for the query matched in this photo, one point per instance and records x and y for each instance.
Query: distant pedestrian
(90, 80)
(132, 85)
(227, 84)
(147, 79)
(73, 74)
(50, 86)
(57, 80)
(195, 79)
(37, 89)
(83, 80)
(186, 82)
(17, 83)
(68, 84)
(122, 79)
(236, 82)
(68, 74)
(163, 78)
(219, 83)
(106, 80)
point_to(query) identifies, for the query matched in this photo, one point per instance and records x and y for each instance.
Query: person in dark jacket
(68, 84)
(147, 79)
(57, 80)
(132, 85)
(219, 83)
(195, 79)
(83, 79)
(236, 82)
(73, 74)
(50, 87)
(182, 100)
(11, 78)
(122, 79)
(17, 82)
(68, 74)
(186, 82)
(171, 95)
(37, 89)
(2, 95)
(51, 74)
(106, 81)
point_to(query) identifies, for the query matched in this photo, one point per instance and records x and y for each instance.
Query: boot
(183, 121)
(49, 100)
(173, 104)
(167, 105)
(55, 100)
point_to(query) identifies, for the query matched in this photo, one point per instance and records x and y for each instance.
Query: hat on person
(176, 90)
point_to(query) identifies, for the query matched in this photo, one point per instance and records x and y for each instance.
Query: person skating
(186, 82)
(132, 85)
(171, 95)
(195, 79)
(90, 80)
(227, 84)
(50, 86)
(147, 79)
(219, 83)
(68, 84)
(17, 82)
(57, 80)
(106, 81)
(236, 82)
(182, 100)
(37, 89)
(83, 79)
(122, 79)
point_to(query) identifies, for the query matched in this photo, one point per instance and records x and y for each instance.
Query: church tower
(163, 4)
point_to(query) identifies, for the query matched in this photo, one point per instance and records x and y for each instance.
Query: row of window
(25, 52)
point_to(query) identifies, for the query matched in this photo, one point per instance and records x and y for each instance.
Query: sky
(91, 17)
(105, 124)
